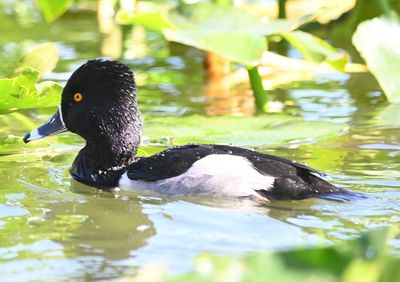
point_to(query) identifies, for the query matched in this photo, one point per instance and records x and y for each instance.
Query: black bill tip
(26, 138)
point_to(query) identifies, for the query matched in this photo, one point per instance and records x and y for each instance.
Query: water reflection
(112, 227)
(224, 100)
(97, 229)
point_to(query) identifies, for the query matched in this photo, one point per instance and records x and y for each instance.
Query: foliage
(51, 10)
(361, 260)
(317, 50)
(260, 96)
(240, 38)
(43, 58)
(225, 30)
(21, 92)
(378, 41)
(253, 132)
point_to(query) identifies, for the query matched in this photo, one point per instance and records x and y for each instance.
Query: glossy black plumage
(108, 118)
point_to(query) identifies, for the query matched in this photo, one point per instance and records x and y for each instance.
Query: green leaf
(317, 50)
(280, 26)
(153, 16)
(43, 58)
(21, 92)
(53, 9)
(239, 39)
(50, 90)
(378, 41)
(253, 132)
(238, 47)
(154, 21)
(157, 17)
(224, 30)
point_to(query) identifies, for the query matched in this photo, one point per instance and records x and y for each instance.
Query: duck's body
(99, 104)
(224, 171)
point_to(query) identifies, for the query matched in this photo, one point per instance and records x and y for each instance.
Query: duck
(99, 104)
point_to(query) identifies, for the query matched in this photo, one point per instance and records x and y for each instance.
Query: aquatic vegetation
(231, 33)
(378, 41)
(23, 90)
(51, 10)
(241, 38)
(262, 131)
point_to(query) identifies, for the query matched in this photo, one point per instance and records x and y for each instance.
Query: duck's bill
(54, 125)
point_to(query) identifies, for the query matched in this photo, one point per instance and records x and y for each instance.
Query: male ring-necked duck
(99, 103)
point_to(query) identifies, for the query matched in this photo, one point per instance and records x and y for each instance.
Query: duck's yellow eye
(78, 97)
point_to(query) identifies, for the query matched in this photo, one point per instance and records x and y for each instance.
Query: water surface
(54, 228)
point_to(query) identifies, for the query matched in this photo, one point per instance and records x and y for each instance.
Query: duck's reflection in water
(101, 231)
(122, 230)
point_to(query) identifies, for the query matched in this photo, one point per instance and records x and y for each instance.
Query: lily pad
(253, 132)
(378, 41)
(23, 92)
(238, 47)
(240, 38)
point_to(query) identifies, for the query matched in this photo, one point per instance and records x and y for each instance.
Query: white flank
(225, 175)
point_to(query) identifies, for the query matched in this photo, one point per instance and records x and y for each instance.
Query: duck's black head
(99, 104)
(99, 99)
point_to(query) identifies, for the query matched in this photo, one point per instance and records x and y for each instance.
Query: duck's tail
(328, 191)
(306, 186)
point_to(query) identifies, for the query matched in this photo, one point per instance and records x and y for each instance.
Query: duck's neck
(105, 157)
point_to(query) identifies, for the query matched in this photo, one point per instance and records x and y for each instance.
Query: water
(54, 228)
